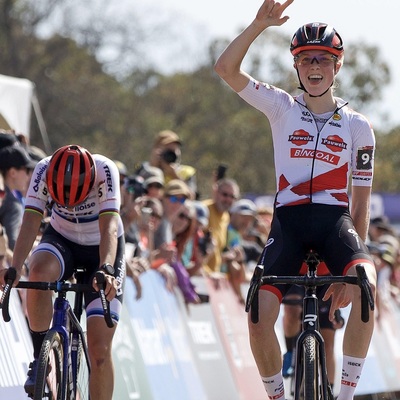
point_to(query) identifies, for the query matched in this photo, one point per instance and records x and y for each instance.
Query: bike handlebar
(58, 286)
(367, 301)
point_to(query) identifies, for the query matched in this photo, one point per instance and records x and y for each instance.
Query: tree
(98, 86)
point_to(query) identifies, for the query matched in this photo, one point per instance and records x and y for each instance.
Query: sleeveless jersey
(79, 224)
(314, 165)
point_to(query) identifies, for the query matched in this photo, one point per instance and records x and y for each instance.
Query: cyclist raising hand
(85, 231)
(321, 147)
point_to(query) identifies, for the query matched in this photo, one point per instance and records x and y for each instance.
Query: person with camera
(166, 154)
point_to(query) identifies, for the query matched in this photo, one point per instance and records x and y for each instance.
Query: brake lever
(10, 277)
(101, 282)
(252, 294)
(367, 300)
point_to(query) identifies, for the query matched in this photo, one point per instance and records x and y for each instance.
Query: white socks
(274, 386)
(351, 372)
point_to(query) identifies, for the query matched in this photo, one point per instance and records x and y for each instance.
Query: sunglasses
(176, 199)
(325, 59)
(231, 196)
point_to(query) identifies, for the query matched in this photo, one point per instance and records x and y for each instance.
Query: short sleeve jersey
(79, 224)
(314, 164)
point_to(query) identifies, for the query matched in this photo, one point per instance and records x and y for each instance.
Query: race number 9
(364, 158)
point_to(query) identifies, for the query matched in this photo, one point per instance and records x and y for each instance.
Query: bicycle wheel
(82, 381)
(50, 365)
(310, 387)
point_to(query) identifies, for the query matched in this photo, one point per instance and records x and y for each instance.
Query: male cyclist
(85, 230)
(320, 146)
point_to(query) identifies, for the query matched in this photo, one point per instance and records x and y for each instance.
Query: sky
(369, 21)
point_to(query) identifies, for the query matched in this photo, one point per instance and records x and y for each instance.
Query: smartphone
(221, 171)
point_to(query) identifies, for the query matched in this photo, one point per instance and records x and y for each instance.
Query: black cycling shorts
(74, 256)
(327, 230)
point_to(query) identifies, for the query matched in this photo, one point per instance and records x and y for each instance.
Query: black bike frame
(310, 326)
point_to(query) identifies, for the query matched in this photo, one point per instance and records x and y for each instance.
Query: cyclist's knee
(269, 307)
(43, 267)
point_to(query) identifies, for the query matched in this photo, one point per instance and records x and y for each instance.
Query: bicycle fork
(311, 328)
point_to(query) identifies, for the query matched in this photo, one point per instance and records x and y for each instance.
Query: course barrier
(164, 349)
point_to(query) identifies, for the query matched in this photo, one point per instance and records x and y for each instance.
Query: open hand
(271, 12)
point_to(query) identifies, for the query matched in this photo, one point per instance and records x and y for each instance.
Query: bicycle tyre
(82, 382)
(50, 366)
(310, 368)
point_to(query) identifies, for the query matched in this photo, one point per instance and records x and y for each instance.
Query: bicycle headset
(71, 174)
(316, 36)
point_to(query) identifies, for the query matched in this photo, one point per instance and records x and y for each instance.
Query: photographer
(166, 155)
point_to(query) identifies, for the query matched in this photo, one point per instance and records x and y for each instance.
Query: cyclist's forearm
(27, 236)
(228, 65)
(108, 225)
(360, 205)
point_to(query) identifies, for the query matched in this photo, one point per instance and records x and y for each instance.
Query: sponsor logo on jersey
(38, 178)
(336, 117)
(108, 178)
(301, 137)
(318, 155)
(334, 143)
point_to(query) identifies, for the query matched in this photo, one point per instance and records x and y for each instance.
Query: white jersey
(313, 161)
(79, 224)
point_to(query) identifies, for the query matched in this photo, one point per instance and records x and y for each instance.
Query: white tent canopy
(17, 96)
(15, 102)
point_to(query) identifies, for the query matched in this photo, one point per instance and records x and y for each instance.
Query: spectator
(199, 246)
(380, 226)
(242, 216)
(176, 194)
(385, 254)
(140, 259)
(166, 154)
(4, 249)
(225, 192)
(15, 167)
(154, 184)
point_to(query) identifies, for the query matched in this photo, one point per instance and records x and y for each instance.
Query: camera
(169, 156)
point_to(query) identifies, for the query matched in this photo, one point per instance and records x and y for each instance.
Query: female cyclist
(85, 230)
(320, 146)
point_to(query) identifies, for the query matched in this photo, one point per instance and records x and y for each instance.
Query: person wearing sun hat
(176, 192)
(15, 166)
(166, 154)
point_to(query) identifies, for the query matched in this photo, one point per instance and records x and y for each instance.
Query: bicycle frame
(310, 327)
(65, 322)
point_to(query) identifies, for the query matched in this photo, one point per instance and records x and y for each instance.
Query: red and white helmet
(71, 174)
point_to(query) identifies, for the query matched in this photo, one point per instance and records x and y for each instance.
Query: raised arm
(228, 65)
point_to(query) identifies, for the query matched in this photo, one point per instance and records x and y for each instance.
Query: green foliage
(120, 114)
